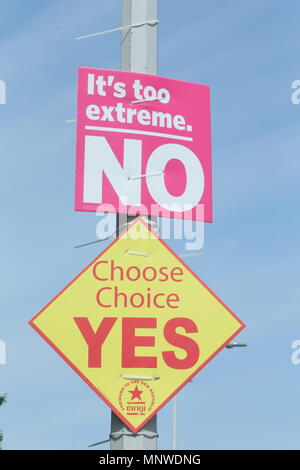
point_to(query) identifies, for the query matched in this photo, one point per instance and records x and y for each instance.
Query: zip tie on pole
(134, 377)
(109, 236)
(71, 120)
(185, 255)
(103, 239)
(137, 253)
(99, 443)
(135, 25)
(145, 175)
(143, 101)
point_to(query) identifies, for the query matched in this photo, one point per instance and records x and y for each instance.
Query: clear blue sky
(248, 53)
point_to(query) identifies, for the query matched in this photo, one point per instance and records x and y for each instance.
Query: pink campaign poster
(143, 145)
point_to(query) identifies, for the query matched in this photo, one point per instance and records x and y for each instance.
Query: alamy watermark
(190, 231)
(2, 353)
(295, 96)
(2, 92)
(295, 357)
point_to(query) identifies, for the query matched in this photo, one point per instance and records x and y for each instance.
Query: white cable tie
(144, 101)
(95, 241)
(135, 25)
(104, 239)
(136, 253)
(99, 443)
(136, 377)
(150, 222)
(146, 175)
(145, 433)
(71, 120)
(185, 255)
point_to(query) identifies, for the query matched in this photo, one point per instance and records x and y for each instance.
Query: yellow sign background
(217, 325)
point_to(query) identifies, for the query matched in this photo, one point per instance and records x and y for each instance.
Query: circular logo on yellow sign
(136, 397)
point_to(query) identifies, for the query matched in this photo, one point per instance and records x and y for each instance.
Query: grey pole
(138, 54)
(139, 44)
(138, 48)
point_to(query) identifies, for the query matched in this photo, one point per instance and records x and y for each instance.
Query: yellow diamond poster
(137, 324)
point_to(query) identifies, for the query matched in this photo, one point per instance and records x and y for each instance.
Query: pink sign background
(187, 99)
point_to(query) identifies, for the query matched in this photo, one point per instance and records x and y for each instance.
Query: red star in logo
(136, 393)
